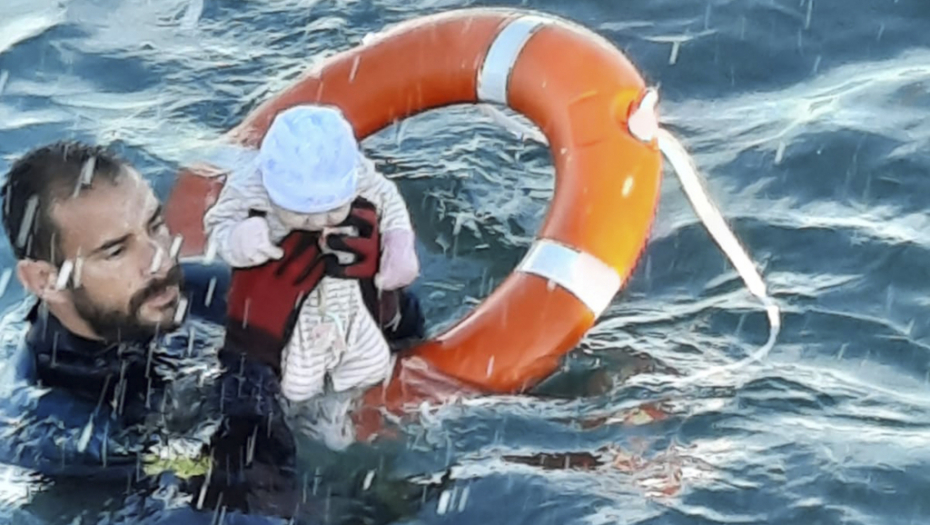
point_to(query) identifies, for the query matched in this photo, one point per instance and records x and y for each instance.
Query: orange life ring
(581, 91)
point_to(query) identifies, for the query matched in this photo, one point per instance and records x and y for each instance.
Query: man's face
(125, 282)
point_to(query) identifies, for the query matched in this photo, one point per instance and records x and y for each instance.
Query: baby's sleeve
(239, 194)
(383, 193)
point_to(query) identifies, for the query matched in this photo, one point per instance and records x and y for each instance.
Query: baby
(309, 171)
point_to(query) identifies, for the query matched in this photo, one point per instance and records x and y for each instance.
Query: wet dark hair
(42, 177)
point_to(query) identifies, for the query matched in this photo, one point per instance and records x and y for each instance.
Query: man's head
(90, 240)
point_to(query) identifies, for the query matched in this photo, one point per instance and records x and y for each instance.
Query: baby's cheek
(288, 220)
(338, 217)
(295, 222)
(316, 222)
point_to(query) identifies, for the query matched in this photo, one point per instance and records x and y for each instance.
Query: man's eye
(113, 253)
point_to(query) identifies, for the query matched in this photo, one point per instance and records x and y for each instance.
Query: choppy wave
(807, 118)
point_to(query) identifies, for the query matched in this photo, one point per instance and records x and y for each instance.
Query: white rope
(690, 180)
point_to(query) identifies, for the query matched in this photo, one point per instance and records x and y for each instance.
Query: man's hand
(264, 301)
(364, 248)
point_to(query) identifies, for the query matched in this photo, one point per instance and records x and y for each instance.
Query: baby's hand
(399, 263)
(250, 243)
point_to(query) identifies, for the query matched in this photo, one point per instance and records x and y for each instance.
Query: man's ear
(41, 279)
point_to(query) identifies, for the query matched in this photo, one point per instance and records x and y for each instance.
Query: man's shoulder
(30, 415)
(19, 383)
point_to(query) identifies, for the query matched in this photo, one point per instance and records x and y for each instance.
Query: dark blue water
(808, 119)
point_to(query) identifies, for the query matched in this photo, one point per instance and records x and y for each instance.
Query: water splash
(192, 14)
(23, 20)
(5, 280)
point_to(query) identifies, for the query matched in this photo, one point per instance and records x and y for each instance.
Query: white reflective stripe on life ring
(588, 278)
(502, 56)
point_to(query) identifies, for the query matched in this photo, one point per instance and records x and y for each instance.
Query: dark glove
(366, 251)
(365, 247)
(263, 301)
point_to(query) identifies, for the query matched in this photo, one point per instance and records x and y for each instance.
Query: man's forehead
(103, 210)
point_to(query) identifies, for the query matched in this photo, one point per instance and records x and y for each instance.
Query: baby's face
(313, 221)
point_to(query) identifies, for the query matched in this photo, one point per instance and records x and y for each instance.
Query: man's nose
(160, 261)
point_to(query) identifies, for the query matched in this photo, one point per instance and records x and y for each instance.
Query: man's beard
(115, 325)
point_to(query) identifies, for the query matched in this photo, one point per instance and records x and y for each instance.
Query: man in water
(116, 374)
